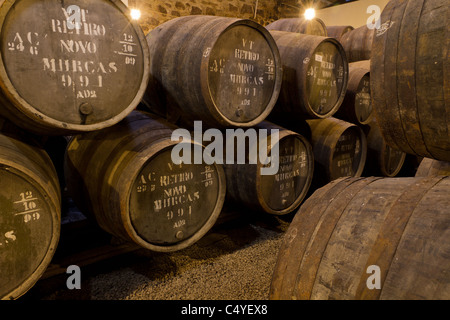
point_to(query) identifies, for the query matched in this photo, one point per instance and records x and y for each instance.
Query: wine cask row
(410, 72)
(280, 192)
(358, 233)
(314, 26)
(58, 76)
(338, 31)
(357, 104)
(357, 43)
(315, 75)
(340, 149)
(124, 176)
(430, 167)
(223, 71)
(30, 213)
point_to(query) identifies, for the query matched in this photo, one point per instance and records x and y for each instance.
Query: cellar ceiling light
(135, 14)
(310, 14)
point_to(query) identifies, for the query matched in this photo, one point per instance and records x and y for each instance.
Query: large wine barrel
(357, 43)
(125, 177)
(340, 149)
(279, 193)
(382, 160)
(431, 167)
(398, 226)
(223, 71)
(410, 72)
(29, 213)
(338, 31)
(315, 75)
(70, 67)
(357, 104)
(314, 26)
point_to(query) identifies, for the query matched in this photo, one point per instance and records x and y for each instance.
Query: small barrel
(223, 71)
(357, 104)
(124, 176)
(279, 193)
(315, 27)
(315, 75)
(358, 43)
(368, 239)
(340, 149)
(338, 31)
(30, 213)
(70, 67)
(382, 160)
(410, 73)
(431, 167)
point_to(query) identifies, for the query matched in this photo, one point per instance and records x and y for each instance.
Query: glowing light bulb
(135, 14)
(310, 14)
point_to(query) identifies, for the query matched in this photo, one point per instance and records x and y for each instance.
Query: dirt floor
(233, 261)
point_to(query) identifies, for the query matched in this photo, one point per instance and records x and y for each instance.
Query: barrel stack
(296, 119)
(315, 83)
(383, 237)
(238, 79)
(58, 77)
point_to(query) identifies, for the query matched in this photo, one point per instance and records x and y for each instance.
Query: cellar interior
(224, 150)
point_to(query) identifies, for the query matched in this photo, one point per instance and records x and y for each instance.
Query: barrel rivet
(179, 235)
(239, 112)
(86, 108)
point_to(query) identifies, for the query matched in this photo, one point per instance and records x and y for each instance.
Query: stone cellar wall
(156, 12)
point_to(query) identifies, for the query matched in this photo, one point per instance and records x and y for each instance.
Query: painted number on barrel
(30, 210)
(207, 176)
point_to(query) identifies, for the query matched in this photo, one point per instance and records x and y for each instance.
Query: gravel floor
(234, 261)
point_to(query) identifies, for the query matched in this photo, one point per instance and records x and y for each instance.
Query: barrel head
(72, 67)
(349, 154)
(171, 205)
(326, 80)
(28, 232)
(284, 191)
(244, 74)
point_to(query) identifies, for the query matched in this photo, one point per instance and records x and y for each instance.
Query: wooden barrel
(357, 43)
(382, 160)
(29, 214)
(357, 104)
(340, 149)
(338, 31)
(315, 75)
(410, 72)
(279, 193)
(356, 231)
(431, 167)
(223, 71)
(72, 67)
(314, 26)
(125, 177)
